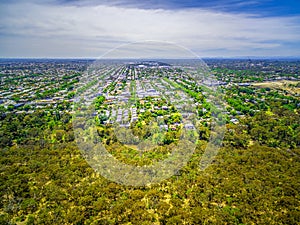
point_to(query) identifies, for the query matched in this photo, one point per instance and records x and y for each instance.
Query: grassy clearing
(287, 85)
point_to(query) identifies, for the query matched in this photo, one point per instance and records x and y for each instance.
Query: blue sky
(262, 7)
(90, 28)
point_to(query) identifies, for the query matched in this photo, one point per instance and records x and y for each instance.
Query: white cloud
(29, 29)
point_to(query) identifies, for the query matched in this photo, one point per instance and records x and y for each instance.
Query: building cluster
(139, 89)
(135, 89)
(33, 84)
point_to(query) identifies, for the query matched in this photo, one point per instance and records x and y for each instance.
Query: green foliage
(10, 107)
(99, 101)
(53, 184)
(71, 95)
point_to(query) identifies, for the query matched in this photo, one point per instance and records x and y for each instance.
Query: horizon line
(204, 57)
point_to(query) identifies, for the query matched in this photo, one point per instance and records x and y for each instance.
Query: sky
(91, 28)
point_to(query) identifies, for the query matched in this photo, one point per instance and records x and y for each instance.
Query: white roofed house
(164, 127)
(189, 126)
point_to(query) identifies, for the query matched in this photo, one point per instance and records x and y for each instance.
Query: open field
(287, 85)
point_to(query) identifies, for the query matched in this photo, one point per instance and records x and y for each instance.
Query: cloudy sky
(90, 28)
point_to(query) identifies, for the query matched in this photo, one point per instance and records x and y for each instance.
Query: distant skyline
(90, 28)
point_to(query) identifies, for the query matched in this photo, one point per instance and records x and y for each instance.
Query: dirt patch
(284, 85)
